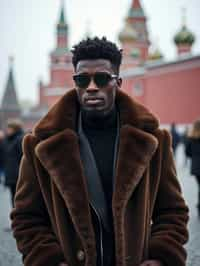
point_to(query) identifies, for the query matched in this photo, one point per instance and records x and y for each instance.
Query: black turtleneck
(101, 133)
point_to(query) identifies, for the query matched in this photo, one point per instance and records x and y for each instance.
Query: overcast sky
(27, 31)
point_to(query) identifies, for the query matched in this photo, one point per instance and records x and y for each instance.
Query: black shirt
(101, 133)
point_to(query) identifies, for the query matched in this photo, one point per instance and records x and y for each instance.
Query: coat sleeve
(30, 221)
(170, 215)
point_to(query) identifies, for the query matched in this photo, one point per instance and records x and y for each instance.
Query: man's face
(96, 97)
(10, 131)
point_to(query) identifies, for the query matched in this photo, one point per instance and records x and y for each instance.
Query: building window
(138, 89)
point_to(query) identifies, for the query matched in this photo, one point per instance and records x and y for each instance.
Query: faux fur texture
(146, 189)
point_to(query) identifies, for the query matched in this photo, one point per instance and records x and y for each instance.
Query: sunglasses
(101, 79)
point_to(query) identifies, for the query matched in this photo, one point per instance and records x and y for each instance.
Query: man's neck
(100, 122)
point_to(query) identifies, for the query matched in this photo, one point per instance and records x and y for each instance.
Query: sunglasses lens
(102, 79)
(82, 80)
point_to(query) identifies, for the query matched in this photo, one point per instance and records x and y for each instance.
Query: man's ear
(119, 82)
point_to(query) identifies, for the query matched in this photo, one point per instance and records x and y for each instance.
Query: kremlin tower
(134, 36)
(60, 66)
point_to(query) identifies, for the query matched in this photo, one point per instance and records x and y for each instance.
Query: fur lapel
(136, 148)
(135, 152)
(60, 156)
(59, 153)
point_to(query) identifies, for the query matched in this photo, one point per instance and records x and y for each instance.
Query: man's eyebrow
(82, 72)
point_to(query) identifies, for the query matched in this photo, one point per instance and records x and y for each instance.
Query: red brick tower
(134, 36)
(60, 66)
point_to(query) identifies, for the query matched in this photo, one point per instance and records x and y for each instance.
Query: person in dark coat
(2, 156)
(175, 137)
(97, 183)
(193, 151)
(13, 154)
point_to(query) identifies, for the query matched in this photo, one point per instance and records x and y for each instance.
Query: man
(12, 154)
(2, 156)
(98, 184)
(176, 138)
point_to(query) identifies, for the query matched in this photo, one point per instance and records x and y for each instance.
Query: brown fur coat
(52, 220)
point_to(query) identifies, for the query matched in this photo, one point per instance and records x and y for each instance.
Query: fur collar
(64, 115)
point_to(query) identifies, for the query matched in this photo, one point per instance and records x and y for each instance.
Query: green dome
(128, 33)
(156, 55)
(184, 36)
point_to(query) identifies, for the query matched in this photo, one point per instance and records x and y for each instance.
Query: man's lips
(94, 101)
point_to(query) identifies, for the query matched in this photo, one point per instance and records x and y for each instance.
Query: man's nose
(92, 86)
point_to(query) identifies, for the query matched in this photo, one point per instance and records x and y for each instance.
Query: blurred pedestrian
(13, 154)
(193, 151)
(184, 140)
(2, 155)
(175, 137)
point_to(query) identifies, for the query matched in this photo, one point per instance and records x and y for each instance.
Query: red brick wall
(171, 92)
(175, 96)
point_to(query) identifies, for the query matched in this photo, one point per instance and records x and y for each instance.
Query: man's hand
(152, 263)
(62, 264)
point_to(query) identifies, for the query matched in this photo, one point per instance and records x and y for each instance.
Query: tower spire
(136, 4)
(62, 13)
(9, 100)
(61, 63)
(62, 28)
(184, 16)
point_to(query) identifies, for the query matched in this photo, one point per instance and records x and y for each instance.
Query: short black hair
(96, 48)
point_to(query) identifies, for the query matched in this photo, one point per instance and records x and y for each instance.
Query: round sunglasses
(101, 79)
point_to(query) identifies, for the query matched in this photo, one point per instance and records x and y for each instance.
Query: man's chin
(95, 113)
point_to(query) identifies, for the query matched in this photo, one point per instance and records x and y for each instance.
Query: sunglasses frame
(111, 76)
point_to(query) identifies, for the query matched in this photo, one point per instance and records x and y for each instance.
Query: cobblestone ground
(10, 257)
(8, 252)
